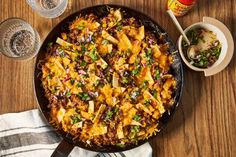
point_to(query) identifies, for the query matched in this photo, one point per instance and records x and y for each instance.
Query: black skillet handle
(63, 149)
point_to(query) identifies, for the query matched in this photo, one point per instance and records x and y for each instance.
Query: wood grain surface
(205, 122)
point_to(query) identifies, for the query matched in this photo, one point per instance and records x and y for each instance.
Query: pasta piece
(120, 132)
(107, 36)
(107, 92)
(67, 121)
(109, 48)
(66, 61)
(121, 61)
(141, 33)
(117, 14)
(156, 51)
(99, 113)
(158, 104)
(92, 80)
(144, 108)
(126, 107)
(115, 80)
(146, 76)
(124, 43)
(91, 107)
(135, 51)
(129, 116)
(60, 114)
(75, 90)
(98, 130)
(63, 42)
(86, 115)
(102, 63)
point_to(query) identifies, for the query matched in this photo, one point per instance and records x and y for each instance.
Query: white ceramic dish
(225, 38)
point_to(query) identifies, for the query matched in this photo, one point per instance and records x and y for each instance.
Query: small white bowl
(225, 38)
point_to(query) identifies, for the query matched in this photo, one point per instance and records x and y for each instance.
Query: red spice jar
(180, 7)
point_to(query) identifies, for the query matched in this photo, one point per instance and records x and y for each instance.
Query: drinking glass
(18, 40)
(48, 8)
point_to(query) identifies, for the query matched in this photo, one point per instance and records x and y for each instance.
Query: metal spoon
(172, 16)
(191, 52)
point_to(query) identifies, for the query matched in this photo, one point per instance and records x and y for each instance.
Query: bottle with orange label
(180, 7)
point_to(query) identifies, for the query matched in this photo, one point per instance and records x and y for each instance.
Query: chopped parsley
(125, 80)
(83, 63)
(93, 56)
(137, 70)
(154, 92)
(49, 76)
(72, 81)
(147, 102)
(50, 44)
(109, 115)
(135, 129)
(77, 110)
(119, 27)
(144, 84)
(116, 110)
(84, 96)
(120, 145)
(149, 56)
(76, 118)
(137, 118)
(83, 49)
(68, 94)
(79, 84)
(157, 75)
(77, 59)
(62, 54)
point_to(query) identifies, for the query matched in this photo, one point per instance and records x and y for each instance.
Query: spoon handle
(172, 16)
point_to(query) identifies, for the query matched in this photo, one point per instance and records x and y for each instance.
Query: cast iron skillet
(67, 144)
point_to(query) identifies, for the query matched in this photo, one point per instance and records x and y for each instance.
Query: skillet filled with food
(107, 78)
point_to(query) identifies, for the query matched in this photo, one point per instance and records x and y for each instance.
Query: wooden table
(205, 122)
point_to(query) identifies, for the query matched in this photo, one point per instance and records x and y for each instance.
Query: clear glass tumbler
(48, 8)
(18, 40)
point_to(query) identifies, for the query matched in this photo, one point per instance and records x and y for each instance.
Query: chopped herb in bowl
(204, 49)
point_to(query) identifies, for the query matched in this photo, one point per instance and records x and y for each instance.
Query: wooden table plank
(205, 121)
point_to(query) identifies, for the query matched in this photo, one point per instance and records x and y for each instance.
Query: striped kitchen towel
(27, 134)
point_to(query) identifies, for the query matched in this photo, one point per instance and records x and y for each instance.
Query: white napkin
(27, 134)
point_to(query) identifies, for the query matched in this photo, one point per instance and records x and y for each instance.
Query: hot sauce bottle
(180, 7)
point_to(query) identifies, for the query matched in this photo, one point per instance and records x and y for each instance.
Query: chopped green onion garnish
(125, 80)
(72, 81)
(79, 84)
(104, 42)
(137, 70)
(93, 56)
(157, 75)
(154, 93)
(147, 102)
(137, 117)
(135, 129)
(68, 94)
(109, 115)
(83, 63)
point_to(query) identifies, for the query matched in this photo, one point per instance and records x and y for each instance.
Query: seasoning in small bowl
(211, 46)
(204, 49)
